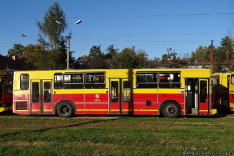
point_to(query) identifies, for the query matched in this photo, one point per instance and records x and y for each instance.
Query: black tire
(170, 110)
(65, 110)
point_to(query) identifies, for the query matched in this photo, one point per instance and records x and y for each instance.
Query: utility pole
(69, 37)
(211, 56)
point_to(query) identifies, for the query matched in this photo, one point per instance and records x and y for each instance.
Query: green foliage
(51, 54)
(40, 59)
(96, 58)
(17, 50)
(49, 28)
(171, 60)
(30, 55)
(201, 54)
(82, 62)
(125, 59)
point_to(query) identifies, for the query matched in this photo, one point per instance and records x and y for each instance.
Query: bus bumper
(214, 111)
(2, 109)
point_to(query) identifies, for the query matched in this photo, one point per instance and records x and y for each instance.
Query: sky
(149, 25)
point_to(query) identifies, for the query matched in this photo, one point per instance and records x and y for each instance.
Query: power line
(17, 31)
(129, 35)
(141, 16)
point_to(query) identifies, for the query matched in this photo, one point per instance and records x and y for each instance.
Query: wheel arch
(166, 101)
(68, 101)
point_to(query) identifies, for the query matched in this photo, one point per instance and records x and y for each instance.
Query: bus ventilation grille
(21, 105)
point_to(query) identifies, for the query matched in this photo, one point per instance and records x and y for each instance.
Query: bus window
(58, 81)
(73, 80)
(35, 92)
(146, 80)
(24, 81)
(232, 79)
(95, 80)
(47, 92)
(169, 80)
(114, 91)
(7, 84)
(127, 91)
(203, 91)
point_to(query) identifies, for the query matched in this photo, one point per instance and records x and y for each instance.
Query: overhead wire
(188, 42)
(130, 16)
(16, 31)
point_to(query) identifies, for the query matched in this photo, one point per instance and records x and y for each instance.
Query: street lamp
(68, 45)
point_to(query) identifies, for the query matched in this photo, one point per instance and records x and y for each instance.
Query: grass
(49, 135)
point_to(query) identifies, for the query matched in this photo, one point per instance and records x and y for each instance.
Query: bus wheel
(65, 110)
(170, 110)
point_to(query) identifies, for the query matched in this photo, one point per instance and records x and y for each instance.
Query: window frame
(147, 72)
(85, 74)
(166, 83)
(21, 82)
(62, 80)
(70, 73)
(231, 79)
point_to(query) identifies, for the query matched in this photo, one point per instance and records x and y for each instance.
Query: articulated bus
(6, 87)
(166, 92)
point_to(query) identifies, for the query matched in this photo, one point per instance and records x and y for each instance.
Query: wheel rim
(65, 110)
(171, 109)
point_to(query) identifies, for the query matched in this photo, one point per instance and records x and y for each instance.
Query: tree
(223, 56)
(110, 56)
(227, 50)
(96, 58)
(171, 60)
(82, 62)
(111, 52)
(17, 50)
(56, 42)
(156, 62)
(141, 60)
(125, 59)
(49, 28)
(30, 55)
(202, 54)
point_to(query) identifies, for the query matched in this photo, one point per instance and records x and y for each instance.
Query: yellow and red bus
(167, 92)
(231, 91)
(220, 91)
(6, 87)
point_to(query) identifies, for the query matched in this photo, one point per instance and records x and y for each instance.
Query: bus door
(203, 96)
(41, 96)
(231, 92)
(120, 96)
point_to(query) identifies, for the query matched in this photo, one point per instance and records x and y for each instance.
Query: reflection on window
(73, 80)
(215, 80)
(203, 91)
(24, 81)
(232, 79)
(114, 91)
(146, 80)
(35, 92)
(58, 80)
(47, 92)
(127, 91)
(95, 80)
(7, 85)
(169, 80)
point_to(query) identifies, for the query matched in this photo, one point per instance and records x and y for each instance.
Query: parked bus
(220, 89)
(231, 91)
(6, 87)
(167, 92)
